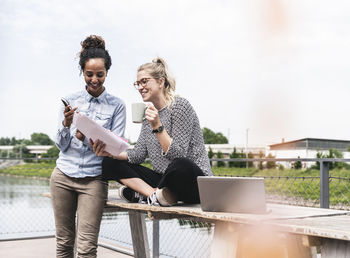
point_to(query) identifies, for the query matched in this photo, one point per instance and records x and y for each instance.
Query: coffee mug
(138, 112)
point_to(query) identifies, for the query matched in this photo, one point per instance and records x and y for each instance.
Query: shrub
(219, 155)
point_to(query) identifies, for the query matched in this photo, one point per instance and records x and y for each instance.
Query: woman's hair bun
(157, 60)
(93, 41)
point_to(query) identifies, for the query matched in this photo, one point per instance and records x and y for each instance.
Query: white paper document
(114, 143)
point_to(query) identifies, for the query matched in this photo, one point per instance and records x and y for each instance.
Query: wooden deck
(290, 231)
(238, 234)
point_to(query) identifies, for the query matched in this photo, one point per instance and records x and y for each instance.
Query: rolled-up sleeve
(63, 135)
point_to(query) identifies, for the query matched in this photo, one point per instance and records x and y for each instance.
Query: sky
(260, 70)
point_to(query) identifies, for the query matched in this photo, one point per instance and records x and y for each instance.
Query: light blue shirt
(76, 158)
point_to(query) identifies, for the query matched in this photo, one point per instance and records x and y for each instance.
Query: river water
(24, 212)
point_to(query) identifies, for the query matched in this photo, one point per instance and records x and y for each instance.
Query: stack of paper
(114, 144)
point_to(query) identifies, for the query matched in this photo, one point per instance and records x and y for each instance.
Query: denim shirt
(76, 158)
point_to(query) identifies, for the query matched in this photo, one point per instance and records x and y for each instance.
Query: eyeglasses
(143, 82)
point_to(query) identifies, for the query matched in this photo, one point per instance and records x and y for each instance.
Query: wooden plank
(225, 241)
(139, 234)
(310, 241)
(332, 248)
(296, 248)
(232, 240)
(261, 241)
(278, 212)
(333, 227)
(323, 223)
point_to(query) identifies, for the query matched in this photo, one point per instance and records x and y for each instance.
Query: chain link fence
(24, 212)
(177, 237)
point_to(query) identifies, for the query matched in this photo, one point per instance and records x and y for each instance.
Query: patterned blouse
(182, 124)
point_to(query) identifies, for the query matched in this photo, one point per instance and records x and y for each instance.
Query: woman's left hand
(99, 148)
(152, 116)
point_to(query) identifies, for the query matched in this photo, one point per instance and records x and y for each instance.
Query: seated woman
(172, 139)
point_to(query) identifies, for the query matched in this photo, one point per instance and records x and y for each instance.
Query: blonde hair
(158, 68)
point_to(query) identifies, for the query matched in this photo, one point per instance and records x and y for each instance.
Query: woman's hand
(152, 116)
(80, 135)
(68, 116)
(99, 148)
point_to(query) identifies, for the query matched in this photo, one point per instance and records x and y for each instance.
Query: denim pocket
(103, 119)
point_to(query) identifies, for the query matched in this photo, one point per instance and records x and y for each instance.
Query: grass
(31, 169)
(291, 183)
(303, 183)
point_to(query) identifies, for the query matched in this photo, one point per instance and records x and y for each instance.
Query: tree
(13, 141)
(297, 164)
(51, 153)
(210, 155)
(219, 155)
(270, 164)
(332, 153)
(236, 155)
(319, 155)
(5, 141)
(261, 165)
(233, 155)
(21, 150)
(211, 137)
(250, 156)
(9, 141)
(335, 154)
(41, 139)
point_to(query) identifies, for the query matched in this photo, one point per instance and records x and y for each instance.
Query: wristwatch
(158, 130)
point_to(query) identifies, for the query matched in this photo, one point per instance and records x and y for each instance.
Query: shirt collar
(99, 99)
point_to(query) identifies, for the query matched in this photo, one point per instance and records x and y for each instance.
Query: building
(34, 149)
(307, 148)
(227, 149)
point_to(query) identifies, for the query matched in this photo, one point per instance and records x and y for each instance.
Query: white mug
(138, 112)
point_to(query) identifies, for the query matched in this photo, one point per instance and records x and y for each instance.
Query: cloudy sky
(280, 68)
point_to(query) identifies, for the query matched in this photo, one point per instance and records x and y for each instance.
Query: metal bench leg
(139, 234)
(155, 238)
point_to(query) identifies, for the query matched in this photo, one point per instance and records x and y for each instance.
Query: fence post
(155, 238)
(324, 184)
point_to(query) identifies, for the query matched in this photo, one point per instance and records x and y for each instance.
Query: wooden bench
(286, 231)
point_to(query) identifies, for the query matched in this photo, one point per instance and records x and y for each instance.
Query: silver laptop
(232, 194)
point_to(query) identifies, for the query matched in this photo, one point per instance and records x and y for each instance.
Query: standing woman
(172, 139)
(76, 184)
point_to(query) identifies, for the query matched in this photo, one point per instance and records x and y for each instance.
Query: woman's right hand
(99, 148)
(68, 116)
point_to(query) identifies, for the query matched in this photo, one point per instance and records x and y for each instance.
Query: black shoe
(130, 195)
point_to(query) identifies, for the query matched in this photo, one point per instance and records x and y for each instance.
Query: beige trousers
(84, 197)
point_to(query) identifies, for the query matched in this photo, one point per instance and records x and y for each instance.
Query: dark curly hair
(93, 47)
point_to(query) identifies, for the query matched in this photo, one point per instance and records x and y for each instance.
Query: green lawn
(31, 169)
